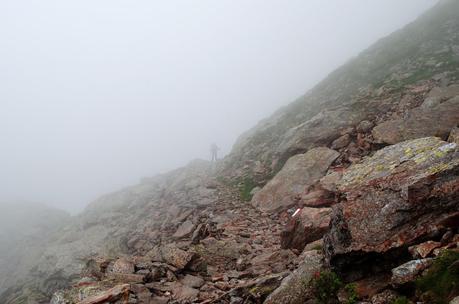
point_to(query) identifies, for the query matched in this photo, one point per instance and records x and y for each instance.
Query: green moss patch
(325, 287)
(441, 282)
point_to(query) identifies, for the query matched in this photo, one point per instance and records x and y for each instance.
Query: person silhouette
(214, 152)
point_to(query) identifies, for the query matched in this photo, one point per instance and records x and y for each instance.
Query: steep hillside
(353, 183)
(360, 89)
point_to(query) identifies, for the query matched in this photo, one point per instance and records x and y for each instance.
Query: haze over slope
(409, 79)
(96, 95)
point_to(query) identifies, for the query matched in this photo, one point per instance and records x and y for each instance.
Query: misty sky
(96, 94)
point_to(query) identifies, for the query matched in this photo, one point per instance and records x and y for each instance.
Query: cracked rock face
(403, 193)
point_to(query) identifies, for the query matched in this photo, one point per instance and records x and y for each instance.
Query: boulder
(111, 295)
(272, 261)
(184, 230)
(430, 102)
(184, 293)
(341, 142)
(444, 92)
(308, 225)
(329, 182)
(394, 199)
(323, 128)
(192, 281)
(171, 255)
(298, 173)
(317, 198)
(420, 122)
(424, 250)
(142, 293)
(121, 265)
(454, 301)
(364, 126)
(409, 271)
(294, 289)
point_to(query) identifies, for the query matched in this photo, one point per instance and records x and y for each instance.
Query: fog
(95, 95)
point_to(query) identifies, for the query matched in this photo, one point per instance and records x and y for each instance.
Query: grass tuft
(441, 282)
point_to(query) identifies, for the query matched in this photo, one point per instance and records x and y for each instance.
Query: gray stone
(364, 126)
(409, 271)
(192, 281)
(421, 122)
(121, 265)
(184, 230)
(341, 142)
(171, 255)
(299, 172)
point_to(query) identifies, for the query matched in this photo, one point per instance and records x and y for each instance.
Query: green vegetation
(245, 187)
(441, 283)
(351, 291)
(419, 74)
(261, 291)
(444, 62)
(317, 247)
(325, 287)
(401, 300)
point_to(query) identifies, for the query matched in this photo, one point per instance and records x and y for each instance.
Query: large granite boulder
(298, 173)
(423, 121)
(394, 199)
(308, 225)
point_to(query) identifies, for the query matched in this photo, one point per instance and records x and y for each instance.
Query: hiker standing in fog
(213, 151)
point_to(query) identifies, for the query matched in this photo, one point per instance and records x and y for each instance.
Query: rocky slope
(372, 86)
(353, 194)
